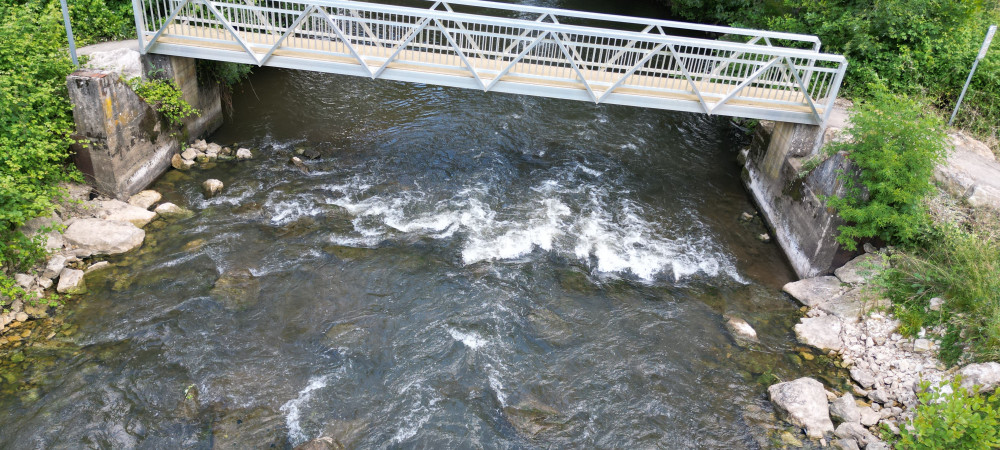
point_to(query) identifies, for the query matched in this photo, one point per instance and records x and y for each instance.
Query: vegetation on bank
(36, 117)
(948, 416)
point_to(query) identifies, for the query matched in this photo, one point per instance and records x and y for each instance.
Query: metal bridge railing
(511, 48)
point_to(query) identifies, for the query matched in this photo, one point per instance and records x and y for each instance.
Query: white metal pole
(979, 57)
(69, 33)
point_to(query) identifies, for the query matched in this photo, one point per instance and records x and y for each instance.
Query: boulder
(984, 375)
(812, 292)
(741, 330)
(936, 303)
(104, 237)
(877, 445)
(923, 345)
(189, 153)
(297, 162)
(244, 154)
(199, 145)
(859, 269)
(804, 402)
(171, 211)
(145, 199)
(821, 332)
(54, 266)
(21, 317)
(213, 148)
(97, 266)
(971, 174)
(851, 430)
(845, 444)
(124, 212)
(180, 163)
(44, 283)
(212, 187)
(845, 409)
(71, 282)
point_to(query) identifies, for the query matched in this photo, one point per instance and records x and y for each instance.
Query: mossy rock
(236, 289)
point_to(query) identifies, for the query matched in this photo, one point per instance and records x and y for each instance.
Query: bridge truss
(517, 49)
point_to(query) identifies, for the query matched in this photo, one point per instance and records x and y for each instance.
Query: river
(456, 269)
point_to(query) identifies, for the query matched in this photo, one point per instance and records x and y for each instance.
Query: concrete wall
(791, 203)
(128, 144)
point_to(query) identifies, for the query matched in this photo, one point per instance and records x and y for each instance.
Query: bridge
(516, 49)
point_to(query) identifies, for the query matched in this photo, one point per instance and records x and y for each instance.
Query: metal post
(979, 57)
(69, 33)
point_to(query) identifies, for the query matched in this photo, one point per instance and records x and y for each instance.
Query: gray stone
(55, 265)
(849, 305)
(877, 445)
(821, 332)
(851, 430)
(879, 395)
(213, 148)
(120, 211)
(922, 345)
(971, 174)
(845, 444)
(859, 269)
(868, 416)
(845, 409)
(17, 306)
(741, 330)
(71, 282)
(104, 237)
(180, 163)
(297, 162)
(936, 303)
(189, 153)
(199, 145)
(44, 283)
(171, 211)
(212, 187)
(36, 311)
(804, 402)
(24, 280)
(984, 375)
(864, 377)
(812, 292)
(21, 317)
(244, 154)
(145, 199)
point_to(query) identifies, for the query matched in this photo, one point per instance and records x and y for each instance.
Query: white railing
(512, 48)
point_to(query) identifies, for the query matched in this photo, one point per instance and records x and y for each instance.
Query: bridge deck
(509, 55)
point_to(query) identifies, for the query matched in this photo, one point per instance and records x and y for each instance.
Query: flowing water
(456, 270)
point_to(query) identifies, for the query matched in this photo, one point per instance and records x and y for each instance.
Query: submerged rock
(212, 187)
(804, 402)
(532, 418)
(236, 289)
(741, 330)
(256, 428)
(104, 237)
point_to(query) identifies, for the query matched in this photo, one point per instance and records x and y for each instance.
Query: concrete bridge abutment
(124, 143)
(778, 171)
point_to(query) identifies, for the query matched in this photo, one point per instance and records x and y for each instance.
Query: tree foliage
(896, 143)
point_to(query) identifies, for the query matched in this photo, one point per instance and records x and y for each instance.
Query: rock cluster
(201, 152)
(92, 228)
(886, 367)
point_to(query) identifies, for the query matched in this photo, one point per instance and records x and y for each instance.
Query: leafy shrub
(895, 143)
(35, 127)
(164, 97)
(956, 419)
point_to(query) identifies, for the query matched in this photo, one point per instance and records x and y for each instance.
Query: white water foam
(470, 339)
(293, 412)
(575, 213)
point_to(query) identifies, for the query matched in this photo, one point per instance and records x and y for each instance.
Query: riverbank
(86, 229)
(848, 319)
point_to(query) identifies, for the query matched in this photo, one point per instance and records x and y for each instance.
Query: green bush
(895, 144)
(164, 97)
(955, 420)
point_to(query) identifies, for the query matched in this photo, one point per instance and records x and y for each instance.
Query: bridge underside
(547, 59)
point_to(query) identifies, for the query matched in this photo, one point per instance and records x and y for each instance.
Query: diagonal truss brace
(461, 54)
(347, 42)
(649, 54)
(527, 49)
(288, 32)
(229, 27)
(414, 32)
(750, 79)
(687, 75)
(166, 24)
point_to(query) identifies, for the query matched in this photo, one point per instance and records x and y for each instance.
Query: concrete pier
(126, 144)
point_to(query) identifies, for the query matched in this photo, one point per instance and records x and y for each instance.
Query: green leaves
(896, 145)
(951, 417)
(164, 97)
